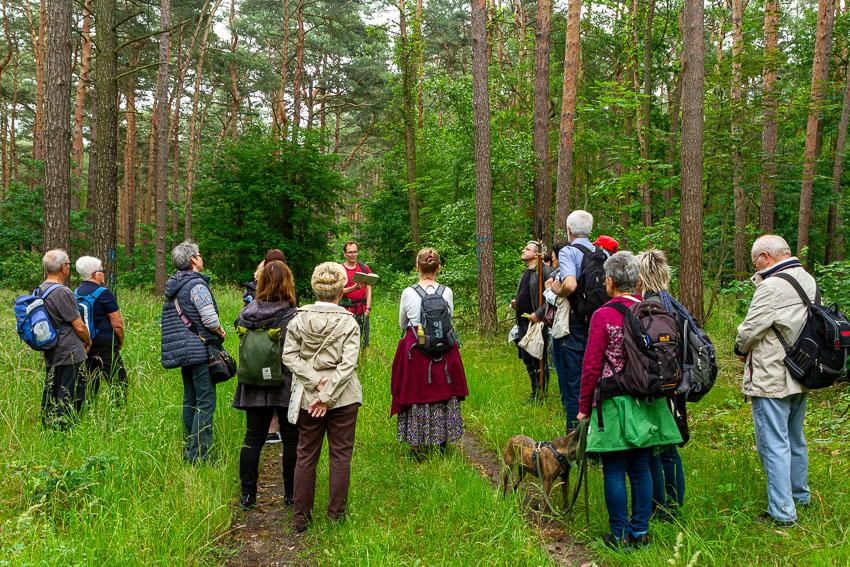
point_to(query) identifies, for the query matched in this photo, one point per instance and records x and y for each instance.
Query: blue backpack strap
(97, 293)
(48, 291)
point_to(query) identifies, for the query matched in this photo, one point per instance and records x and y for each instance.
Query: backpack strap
(799, 289)
(43, 294)
(440, 289)
(97, 293)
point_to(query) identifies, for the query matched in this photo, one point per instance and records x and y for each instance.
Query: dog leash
(535, 456)
(581, 459)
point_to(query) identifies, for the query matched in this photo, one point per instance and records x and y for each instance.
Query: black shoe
(287, 501)
(300, 528)
(766, 518)
(248, 501)
(638, 541)
(613, 543)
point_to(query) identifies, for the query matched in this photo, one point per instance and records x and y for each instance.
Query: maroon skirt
(420, 379)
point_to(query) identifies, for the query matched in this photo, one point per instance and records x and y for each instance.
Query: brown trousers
(339, 423)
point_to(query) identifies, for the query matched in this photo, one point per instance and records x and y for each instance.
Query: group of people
(638, 438)
(86, 352)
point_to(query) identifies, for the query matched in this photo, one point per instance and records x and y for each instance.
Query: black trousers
(63, 395)
(258, 421)
(532, 365)
(105, 363)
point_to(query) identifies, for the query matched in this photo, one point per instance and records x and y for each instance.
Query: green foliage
(834, 282)
(258, 193)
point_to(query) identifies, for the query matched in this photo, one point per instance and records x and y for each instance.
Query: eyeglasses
(100, 271)
(352, 252)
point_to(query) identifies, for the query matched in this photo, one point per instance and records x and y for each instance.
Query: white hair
(87, 266)
(773, 244)
(53, 260)
(181, 255)
(580, 223)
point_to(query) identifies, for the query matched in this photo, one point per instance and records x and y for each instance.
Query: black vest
(180, 346)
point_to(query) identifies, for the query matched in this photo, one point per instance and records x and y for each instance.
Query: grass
(114, 491)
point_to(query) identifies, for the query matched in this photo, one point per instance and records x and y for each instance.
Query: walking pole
(540, 381)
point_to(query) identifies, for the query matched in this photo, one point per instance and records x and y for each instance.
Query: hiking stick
(540, 382)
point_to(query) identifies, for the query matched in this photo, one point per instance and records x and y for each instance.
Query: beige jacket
(775, 304)
(335, 363)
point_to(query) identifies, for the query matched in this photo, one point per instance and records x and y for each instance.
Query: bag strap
(43, 294)
(799, 289)
(418, 289)
(188, 322)
(440, 289)
(582, 248)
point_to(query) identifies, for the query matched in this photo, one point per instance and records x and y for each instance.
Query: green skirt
(631, 424)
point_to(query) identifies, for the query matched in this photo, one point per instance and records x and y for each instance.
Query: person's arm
(594, 354)
(82, 331)
(368, 299)
(760, 318)
(117, 323)
(568, 286)
(202, 299)
(567, 267)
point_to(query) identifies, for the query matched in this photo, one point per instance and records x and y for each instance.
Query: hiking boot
(614, 543)
(638, 541)
(248, 501)
(766, 518)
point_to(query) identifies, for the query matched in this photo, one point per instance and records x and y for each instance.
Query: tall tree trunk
(419, 49)
(644, 110)
(80, 104)
(162, 142)
(825, 9)
(769, 104)
(13, 153)
(174, 132)
(835, 232)
(830, 25)
(572, 46)
(542, 169)
(299, 62)
(693, 96)
(103, 206)
(284, 68)
(408, 81)
(38, 35)
(483, 183)
(235, 97)
(57, 167)
(130, 152)
(740, 199)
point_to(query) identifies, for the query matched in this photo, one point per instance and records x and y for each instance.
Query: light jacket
(777, 305)
(337, 361)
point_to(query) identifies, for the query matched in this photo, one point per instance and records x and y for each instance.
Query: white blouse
(411, 304)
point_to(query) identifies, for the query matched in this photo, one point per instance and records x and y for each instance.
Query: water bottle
(420, 334)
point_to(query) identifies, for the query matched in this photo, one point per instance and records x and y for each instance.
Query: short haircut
(428, 261)
(537, 245)
(580, 223)
(328, 280)
(87, 266)
(53, 260)
(624, 271)
(773, 244)
(654, 270)
(349, 243)
(181, 255)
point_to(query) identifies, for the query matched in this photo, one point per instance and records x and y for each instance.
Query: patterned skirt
(430, 424)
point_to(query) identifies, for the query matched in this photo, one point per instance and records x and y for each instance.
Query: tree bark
(38, 35)
(740, 199)
(80, 103)
(825, 9)
(644, 110)
(162, 143)
(835, 232)
(572, 46)
(542, 167)
(419, 50)
(487, 319)
(299, 62)
(13, 153)
(130, 152)
(284, 68)
(57, 218)
(408, 81)
(693, 97)
(769, 104)
(235, 97)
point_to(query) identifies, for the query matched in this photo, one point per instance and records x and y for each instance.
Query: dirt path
(562, 549)
(264, 535)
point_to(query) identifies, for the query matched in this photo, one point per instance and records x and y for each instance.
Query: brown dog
(524, 454)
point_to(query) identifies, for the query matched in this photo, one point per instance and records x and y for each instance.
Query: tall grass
(114, 490)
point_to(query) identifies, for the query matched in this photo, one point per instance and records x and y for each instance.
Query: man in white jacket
(779, 401)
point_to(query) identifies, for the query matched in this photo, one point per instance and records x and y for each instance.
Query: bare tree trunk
(408, 81)
(235, 97)
(542, 169)
(693, 96)
(825, 9)
(419, 49)
(740, 199)
(80, 104)
(834, 231)
(483, 183)
(162, 143)
(130, 151)
(830, 25)
(299, 62)
(645, 108)
(13, 153)
(284, 68)
(769, 129)
(568, 112)
(38, 35)
(57, 197)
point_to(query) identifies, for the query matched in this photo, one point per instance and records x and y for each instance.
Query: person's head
(622, 272)
(579, 224)
(530, 252)
(187, 256)
(654, 270)
(55, 262)
(608, 243)
(547, 258)
(327, 281)
(275, 255)
(90, 268)
(275, 283)
(350, 250)
(428, 262)
(768, 250)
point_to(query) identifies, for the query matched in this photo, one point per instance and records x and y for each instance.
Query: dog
(526, 455)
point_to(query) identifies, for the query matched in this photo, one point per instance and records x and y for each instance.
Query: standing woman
(426, 391)
(271, 311)
(321, 349)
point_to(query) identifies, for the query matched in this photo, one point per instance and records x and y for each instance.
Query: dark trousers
(63, 395)
(198, 410)
(363, 322)
(105, 363)
(569, 358)
(533, 365)
(615, 466)
(339, 424)
(668, 479)
(257, 427)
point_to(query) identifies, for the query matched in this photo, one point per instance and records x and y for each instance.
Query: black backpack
(818, 358)
(699, 357)
(590, 293)
(435, 319)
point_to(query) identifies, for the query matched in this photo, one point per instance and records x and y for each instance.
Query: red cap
(608, 243)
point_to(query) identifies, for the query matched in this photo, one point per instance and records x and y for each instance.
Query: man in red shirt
(357, 297)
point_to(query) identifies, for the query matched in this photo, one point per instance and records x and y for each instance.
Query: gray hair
(53, 260)
(87, 266)
(328, 280)
(181, 255)
(773, 244)
(580, 223)
(654, 270)
(624, 270)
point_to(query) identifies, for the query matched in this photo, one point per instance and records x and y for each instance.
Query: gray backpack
(699, 357)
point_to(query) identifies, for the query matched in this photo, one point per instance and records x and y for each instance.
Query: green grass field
(114, 491)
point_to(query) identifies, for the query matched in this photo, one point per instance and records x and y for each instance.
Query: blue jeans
(615, 466)
(782, 447)
(668, 478)
(198, 410)
(568, 353)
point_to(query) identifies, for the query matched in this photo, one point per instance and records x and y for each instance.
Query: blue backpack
(33, 322)
(86, 305)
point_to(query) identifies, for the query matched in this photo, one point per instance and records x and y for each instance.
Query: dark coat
(539, 309)
(180, 346)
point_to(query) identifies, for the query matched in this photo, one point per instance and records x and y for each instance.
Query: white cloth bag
(532, 342)
(561, 325)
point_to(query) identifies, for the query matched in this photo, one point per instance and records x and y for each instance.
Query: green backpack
(259, 357)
